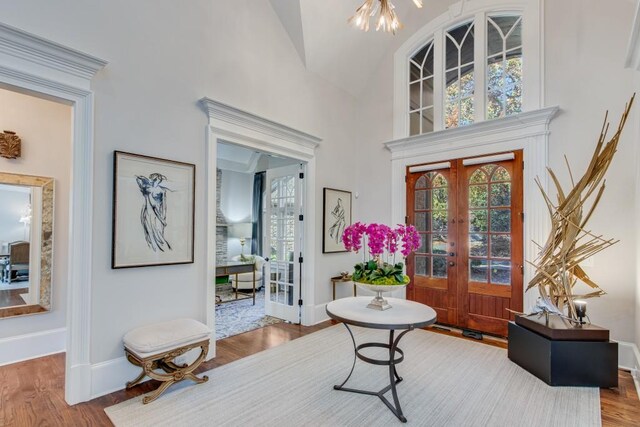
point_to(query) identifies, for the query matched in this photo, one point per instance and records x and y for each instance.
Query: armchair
(245, 280)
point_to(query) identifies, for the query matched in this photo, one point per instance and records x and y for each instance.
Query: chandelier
(387, 19)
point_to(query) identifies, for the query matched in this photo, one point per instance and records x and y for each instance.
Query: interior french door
(469, 216)
(282, 242)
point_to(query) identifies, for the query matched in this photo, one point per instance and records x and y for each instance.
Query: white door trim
(37, 65)
(230, 124)
(526, 131)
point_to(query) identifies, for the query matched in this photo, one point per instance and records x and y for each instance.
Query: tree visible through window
(460, 83)
(460, 97)
(504, 66)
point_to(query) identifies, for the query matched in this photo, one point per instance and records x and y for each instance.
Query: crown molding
(530, 123)
(218, 111)
(36, 81)
(35, 49)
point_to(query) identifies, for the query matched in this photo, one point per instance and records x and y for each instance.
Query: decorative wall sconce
(10, 145)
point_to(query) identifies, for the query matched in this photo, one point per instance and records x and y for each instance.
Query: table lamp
(242, 231)
(581, 310)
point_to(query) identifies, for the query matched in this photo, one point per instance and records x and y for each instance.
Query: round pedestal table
(404, 316)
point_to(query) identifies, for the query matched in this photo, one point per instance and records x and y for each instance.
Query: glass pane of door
(489, 210)
(283, 208)
(431, 217)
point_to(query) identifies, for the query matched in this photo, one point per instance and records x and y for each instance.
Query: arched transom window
(468, 73)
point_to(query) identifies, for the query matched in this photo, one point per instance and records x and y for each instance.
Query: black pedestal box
(564, 363)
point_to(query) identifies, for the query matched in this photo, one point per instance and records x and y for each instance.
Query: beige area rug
(447, 382)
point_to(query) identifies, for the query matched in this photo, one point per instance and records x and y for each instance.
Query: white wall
(13, 205)
(634, 134)
(45, 129)
(585, 49)
(163, 57)
(236, 197)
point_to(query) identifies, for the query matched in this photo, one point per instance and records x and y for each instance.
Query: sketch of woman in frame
(153, 215)
(337, 228)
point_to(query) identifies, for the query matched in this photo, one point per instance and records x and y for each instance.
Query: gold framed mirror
(26, 244)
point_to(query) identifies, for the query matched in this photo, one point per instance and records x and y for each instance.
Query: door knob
(451, 263)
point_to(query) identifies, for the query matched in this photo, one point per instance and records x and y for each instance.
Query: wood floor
(32, 392)
(11, 297)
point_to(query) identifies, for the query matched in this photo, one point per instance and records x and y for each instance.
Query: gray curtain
(257, 228)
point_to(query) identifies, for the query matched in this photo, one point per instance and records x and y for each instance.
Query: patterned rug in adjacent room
(236, 317)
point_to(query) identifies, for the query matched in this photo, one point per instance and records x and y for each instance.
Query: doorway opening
(259, 236)
(469, 213)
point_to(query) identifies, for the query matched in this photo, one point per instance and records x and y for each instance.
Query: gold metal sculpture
(10, 145)
(570, 243)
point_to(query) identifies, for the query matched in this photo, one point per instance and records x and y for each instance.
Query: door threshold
(472, 334)
(453, 331)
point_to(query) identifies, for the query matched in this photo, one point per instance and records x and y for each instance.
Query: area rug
(235, 317)
(448, 381)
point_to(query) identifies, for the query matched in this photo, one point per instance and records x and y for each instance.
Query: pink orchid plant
(383, 243)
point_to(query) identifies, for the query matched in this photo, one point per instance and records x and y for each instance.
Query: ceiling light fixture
(387, 19)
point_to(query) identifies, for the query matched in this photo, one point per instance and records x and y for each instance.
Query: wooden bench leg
(173, 372)
(139, 378)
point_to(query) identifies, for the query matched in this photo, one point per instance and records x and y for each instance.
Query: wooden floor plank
(32, 392)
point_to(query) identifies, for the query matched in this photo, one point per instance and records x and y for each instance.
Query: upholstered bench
(154, 347)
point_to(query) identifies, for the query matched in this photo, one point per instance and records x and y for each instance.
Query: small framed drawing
(336, 216)
(153, 211)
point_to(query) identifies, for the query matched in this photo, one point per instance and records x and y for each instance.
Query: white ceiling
(335, 50)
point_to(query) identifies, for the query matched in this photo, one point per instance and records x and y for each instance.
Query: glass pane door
(431, 207)
(282, 243)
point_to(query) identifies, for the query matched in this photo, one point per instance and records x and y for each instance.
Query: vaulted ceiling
(338, 52)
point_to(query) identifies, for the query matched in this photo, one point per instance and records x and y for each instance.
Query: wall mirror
(26, 244)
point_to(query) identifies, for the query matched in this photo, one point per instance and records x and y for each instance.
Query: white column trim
(526, 131)
(230, 124)
(35, 64)
(632, 59)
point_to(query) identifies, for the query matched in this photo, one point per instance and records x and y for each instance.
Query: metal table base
(394, 378)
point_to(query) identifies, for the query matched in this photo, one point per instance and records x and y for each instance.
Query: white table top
(403, 314)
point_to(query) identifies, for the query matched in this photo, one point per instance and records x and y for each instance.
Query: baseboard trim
(628, 356)
(112, 375)
(629, 360)
(319, 314)
(30, 346)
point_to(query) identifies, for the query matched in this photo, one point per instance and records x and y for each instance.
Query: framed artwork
(153, 211)
(336, 216)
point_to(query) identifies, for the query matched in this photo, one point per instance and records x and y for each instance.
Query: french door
(469, 216)
(282, 242)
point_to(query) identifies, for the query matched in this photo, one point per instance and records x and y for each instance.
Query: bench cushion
(160, 337)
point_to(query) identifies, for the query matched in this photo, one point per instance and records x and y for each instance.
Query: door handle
(452, 254)
(267, 259)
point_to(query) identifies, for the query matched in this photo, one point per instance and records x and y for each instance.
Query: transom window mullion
(439, 80)
(480, 52)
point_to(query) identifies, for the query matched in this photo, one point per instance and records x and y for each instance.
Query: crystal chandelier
(387, 19)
